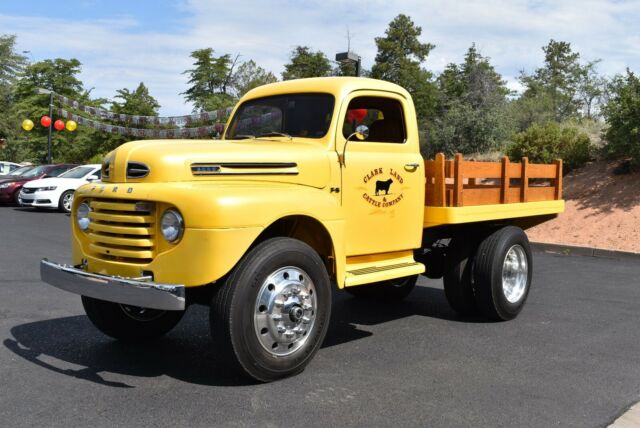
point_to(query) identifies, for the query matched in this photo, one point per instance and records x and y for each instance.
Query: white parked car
(57, 192)
(7, 167)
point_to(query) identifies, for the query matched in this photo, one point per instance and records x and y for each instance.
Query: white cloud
(120, 53)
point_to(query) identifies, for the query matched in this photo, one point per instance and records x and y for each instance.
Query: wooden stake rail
(459, 183)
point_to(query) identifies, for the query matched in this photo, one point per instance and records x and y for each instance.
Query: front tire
(502, 273)
(390, 290)
(65, 202)
(129, 323)
(271, 315)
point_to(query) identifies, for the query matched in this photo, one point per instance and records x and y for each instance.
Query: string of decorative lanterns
(45, 121)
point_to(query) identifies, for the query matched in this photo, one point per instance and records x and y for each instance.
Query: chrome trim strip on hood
(226, 168)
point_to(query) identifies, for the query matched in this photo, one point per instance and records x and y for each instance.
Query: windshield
(35, 172)
(77, 172)
(20, 170)
(291, 115)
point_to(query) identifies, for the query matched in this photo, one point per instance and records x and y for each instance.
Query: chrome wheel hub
(515, 272)
(285, 311)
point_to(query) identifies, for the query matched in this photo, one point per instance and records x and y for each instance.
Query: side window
(97, 173)
(383, 117)
(4, 168)
(54, 172)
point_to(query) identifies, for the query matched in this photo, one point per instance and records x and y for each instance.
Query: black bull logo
(383, 186)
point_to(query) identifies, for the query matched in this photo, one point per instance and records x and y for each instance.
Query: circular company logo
(382, 183)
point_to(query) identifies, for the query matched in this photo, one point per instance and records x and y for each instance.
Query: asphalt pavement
(572, 357)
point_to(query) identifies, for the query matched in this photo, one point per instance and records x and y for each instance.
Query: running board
(367, 272)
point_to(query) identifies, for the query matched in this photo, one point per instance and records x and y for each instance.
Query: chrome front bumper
(169, 297)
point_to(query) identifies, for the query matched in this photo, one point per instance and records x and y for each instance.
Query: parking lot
(570, 359)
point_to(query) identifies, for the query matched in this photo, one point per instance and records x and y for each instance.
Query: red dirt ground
(602, 211)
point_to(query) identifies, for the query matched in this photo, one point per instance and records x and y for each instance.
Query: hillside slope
(602, 211)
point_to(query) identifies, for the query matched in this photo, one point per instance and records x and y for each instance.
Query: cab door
(382, 176)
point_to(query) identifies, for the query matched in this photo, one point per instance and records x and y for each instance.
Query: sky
(122, 43)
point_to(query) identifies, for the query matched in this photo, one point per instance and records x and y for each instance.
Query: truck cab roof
(337, 86)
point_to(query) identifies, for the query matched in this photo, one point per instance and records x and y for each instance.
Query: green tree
(471, 109)
(248, 76)
(11, 65)
(556, 84)
(622, 114)
(210, 80)
(306, 63)
(399, 60)
(136, 102)
(61, 76)
(58, 75)
(591, 89)
(132, 102)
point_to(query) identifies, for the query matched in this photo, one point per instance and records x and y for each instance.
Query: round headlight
(171, 225)
(82, 216)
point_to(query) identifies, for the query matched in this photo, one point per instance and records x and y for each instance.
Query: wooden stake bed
(503, 189)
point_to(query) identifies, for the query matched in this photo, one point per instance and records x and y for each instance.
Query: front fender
(222, 220)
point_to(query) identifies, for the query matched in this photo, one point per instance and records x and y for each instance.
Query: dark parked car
(20, 171)
(10, 187)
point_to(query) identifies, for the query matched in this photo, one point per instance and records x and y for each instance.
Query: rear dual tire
(493, 280)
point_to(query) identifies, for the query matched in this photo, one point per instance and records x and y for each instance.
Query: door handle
(411, 166)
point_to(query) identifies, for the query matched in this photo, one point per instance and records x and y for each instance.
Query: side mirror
(362, 133)
(92, 177)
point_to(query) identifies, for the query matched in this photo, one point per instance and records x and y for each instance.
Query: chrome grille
(122, 230)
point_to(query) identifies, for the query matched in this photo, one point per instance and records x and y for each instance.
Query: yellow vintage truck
(315, 184)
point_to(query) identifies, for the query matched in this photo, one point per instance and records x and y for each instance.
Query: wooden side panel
(537, 194)
(481, 170)
(458, 183)
(439, 193)
(478, 196)
(537, 170)
(429, 187)
(504, 196)
(524, 180)
(558, 181)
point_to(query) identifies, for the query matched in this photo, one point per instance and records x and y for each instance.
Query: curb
(629, 419)
(574, 250)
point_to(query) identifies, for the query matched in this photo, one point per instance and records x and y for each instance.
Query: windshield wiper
(244, 137)
(276, 134)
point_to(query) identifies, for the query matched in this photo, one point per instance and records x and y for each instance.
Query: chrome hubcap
(285, 311)
(514, 274)
(67, 201)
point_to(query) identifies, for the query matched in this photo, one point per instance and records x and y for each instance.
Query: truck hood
(276, 160)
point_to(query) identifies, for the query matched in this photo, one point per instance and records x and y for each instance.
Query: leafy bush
(551, 141)
(622, 114)
(97, 158)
